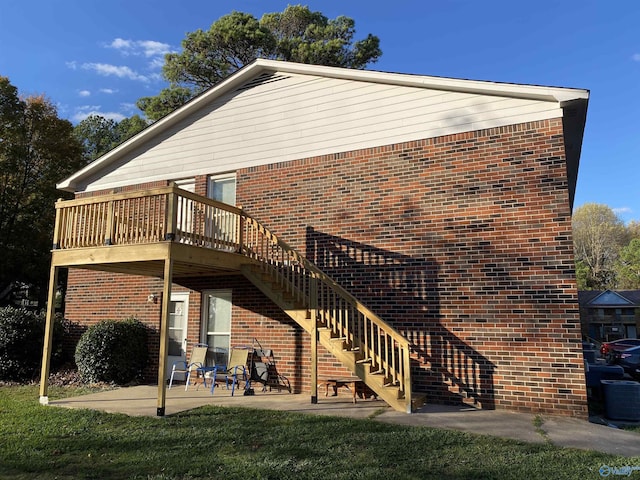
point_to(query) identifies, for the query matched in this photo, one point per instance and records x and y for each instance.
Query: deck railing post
(56, 228)
(240, 235)
(172, 214)
(110, 230)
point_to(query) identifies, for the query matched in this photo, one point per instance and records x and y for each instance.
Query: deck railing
(172, 214)
(165, 213)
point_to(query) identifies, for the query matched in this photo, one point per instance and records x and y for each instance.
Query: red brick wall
(461, 242)
(96, 296)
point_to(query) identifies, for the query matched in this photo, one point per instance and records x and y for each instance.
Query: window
(224, 225)
(222, 188)
(184, 221)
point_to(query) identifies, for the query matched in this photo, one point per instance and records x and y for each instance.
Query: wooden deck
(173, 234)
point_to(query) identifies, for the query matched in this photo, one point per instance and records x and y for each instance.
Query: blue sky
(92, 56)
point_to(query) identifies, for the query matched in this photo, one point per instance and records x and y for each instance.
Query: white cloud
(87, 110)
(636, 57)
(128, 107)
(108, 91)
(156, 63)
(154, 49)
(115, 70)
(120, 44)
(148, 48)
(622, 210)
(72, 65)
(84, 93)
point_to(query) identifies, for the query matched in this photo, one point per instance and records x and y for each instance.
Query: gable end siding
(304, 116)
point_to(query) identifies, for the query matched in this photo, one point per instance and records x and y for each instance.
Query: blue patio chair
(196, 363)
(235, 371)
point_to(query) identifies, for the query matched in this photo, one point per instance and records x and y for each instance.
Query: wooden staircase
(359, 339)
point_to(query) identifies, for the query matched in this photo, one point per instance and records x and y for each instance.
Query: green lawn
(233, 443)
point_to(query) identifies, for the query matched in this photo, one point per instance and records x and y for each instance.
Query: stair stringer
(297, 307)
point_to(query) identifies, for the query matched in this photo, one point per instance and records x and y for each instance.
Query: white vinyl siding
(301, 116)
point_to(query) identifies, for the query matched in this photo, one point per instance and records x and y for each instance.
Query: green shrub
(112, 351)
(21, 342)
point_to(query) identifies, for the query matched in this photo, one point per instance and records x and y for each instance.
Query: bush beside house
(112, 351)
(21, 343)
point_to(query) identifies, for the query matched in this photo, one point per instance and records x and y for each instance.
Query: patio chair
(197, 363)
(235, 371)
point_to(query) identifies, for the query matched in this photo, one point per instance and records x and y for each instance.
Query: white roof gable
(273, 111)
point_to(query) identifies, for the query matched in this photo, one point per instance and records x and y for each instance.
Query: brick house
(424, 222)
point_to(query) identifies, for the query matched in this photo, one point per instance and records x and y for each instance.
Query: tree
(633, 229)
(598, 235)
(309, 37)
(297, 35)
(37, 149)
(629, 265)
(167, 101)
(98, 135)
(128, 127)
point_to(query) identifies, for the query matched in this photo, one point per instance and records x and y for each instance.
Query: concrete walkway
(560, 431)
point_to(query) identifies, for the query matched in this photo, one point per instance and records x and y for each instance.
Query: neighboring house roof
(272, 111)
(609, 298)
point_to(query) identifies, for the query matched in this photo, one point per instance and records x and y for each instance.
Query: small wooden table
(352, 384)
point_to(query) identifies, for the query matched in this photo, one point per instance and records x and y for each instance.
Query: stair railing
(362, 330)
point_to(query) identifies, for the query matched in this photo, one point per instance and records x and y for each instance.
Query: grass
(233, 443)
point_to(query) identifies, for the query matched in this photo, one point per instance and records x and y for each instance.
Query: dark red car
(607, 349)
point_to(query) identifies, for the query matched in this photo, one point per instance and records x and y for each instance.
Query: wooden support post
(164, 335)
(48, 334)
(313, 295)
(406, 370)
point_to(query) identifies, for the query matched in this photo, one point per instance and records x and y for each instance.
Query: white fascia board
(534, 92)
